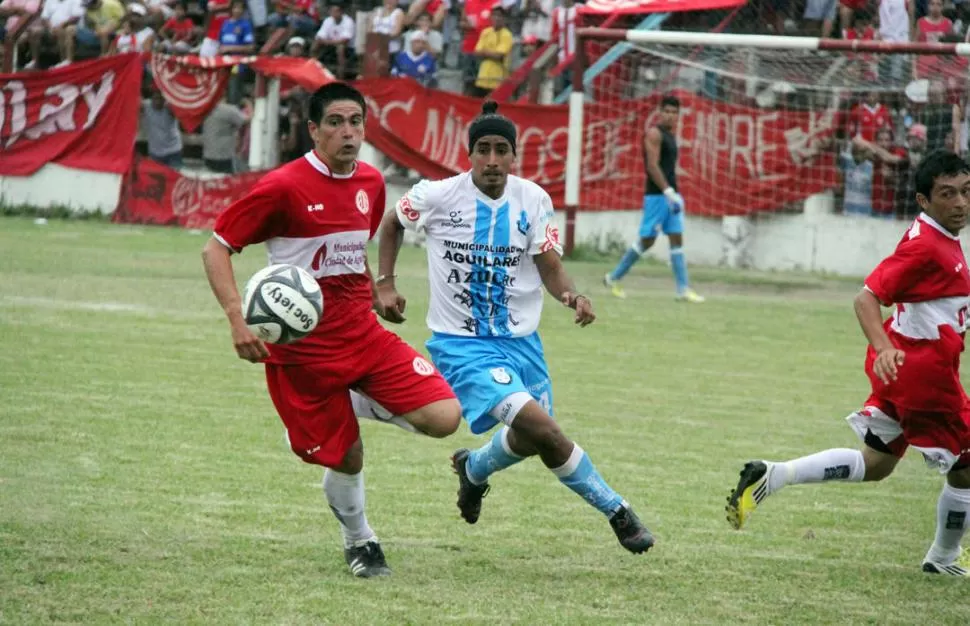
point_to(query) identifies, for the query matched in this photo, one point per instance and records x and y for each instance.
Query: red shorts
(855, 5)
(943, 438)
(313, 399)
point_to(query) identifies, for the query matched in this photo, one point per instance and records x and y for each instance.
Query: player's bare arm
(218, 269)
(558, 283)
(390, 304)
(652, 144)
(889, 358)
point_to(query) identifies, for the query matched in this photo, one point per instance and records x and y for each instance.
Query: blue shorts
(484, 371)
(657, 217)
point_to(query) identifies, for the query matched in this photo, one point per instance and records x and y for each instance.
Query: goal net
(768, 123)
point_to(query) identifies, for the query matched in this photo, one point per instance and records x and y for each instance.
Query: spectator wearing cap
(494, 50)
(57, 17)
(133, 35)
(294, 17)
(417, 62)
(433, 37)
(333, 44)
(388, 19)
(161, 128)
(178, 32)
(102, 18)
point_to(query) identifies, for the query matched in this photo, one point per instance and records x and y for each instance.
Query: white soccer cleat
(689, 295)
(960, 567)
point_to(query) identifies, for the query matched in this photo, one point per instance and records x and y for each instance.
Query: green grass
(144, 476)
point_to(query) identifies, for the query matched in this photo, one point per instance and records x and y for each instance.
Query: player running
(491, 249)
(663, 207)
(318, 213)
(913, 365)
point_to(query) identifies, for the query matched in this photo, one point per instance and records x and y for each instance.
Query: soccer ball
(282, 304)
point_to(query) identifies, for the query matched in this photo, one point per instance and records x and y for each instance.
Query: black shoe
(366, 559)
(469, 494)
(631, 532)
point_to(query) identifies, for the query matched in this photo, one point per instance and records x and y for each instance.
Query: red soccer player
(913, 364)
(868, 117)
(318, 213)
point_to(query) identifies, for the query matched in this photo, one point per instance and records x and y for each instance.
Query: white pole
(271, 147)
(574, 148)
(257, 130)
(722, 39)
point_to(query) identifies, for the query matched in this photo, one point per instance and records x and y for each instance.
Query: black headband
(491, 123)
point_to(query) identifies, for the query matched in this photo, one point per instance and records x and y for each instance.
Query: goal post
(768, 124)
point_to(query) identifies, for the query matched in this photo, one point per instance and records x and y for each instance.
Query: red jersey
(478, 13)
(928, 280)
(928, 31)
(884, 177)
(867, 120)
(181, 29)
(320, 222)
(218, 14)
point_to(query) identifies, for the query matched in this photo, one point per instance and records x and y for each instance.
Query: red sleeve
(378, 213)
(900, 273)
(254, 218)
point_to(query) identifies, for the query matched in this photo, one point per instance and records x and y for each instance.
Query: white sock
(365, 408)
(345, 495)
(835, 464)
(951, 522)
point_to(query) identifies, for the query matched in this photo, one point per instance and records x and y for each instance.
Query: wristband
(384, 277)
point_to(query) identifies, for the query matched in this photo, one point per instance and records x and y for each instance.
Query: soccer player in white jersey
(491, 248)
(912, 362)
(318, 213)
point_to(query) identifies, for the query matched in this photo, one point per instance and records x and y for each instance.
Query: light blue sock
(629, 258)
(679, 265)
(579, 474)
(493, 456)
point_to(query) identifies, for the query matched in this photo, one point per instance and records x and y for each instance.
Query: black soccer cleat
(366, 559)
(469, 494)
(631, 532)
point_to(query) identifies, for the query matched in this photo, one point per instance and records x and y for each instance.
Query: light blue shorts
(483, 371)
(657, 217)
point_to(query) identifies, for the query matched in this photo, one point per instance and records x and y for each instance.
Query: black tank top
(668, 163)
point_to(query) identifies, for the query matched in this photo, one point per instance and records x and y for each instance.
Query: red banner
(636, 7)
(755, 159)
(193, 86)
(156, 194)
(83, 116)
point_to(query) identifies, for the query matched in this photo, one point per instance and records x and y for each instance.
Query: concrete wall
(816, 240)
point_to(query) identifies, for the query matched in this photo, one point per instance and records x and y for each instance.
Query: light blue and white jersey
(484, 281)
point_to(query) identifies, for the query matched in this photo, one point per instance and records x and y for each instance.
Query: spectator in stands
(930, 28)
(436, 9)
(906, 205)
(133, 35)
(417, 62)
(858, 172)
(56, 18)
(865, 66)
(178, 33)
(895, 22)
(162, 131)
(293, 17)
(538, 20)
(217, 13)
(236, 34)
(295, 140)
(13, 13)
(847, 11)
(433, 39)
(821, 11)
(564, 33)
(101, 21)
(159, 11)
(940, 117)
(474, 20)
(220, 134)
(869, 116)
(388, 19)
(889, 165)
(334, 42)
(494, 50)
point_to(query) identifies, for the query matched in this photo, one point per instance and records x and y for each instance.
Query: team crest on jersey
(404, 205)
(363, 203)
(500, 376)
(523, 223)
(422, 367)
(552, 239)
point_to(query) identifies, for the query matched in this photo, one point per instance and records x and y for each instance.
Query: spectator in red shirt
(178, 32)
(889, 167)
(437, 9)
(217, 14)
(475, 18)
(866, 66)
(930, 28)
(868, 117)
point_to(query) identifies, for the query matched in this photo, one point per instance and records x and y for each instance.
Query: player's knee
(438, 419)
(879, 465)
(535, 425)
(353, 461)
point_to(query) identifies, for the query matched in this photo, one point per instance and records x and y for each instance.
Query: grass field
(144, 477)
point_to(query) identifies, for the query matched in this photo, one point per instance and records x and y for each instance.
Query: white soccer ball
(282, 304)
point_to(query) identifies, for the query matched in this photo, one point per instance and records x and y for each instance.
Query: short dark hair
(330, 93)
(670, 101)
(936, 164)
